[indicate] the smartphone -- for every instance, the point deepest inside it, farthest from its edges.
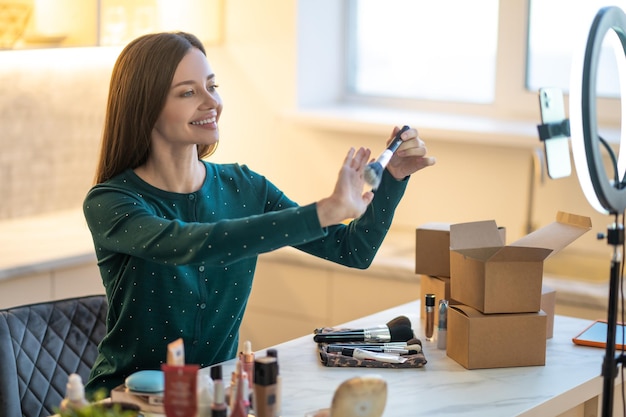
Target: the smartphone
(556, 148)
(595, 335)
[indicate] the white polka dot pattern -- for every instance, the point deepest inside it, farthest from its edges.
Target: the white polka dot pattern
(181, 265)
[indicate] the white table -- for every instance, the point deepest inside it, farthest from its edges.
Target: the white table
(569, 384)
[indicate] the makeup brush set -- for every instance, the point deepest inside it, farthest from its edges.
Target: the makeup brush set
(392, 345)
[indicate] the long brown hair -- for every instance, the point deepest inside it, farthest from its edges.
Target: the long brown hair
(140, 82)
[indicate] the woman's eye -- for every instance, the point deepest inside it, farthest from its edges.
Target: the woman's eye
(212, 87)
(188, 93)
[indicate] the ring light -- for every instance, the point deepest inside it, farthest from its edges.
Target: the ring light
(600, 191)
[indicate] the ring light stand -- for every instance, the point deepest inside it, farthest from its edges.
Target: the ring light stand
(610, 196)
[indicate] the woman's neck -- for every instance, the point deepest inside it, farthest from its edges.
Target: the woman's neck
(185, 175)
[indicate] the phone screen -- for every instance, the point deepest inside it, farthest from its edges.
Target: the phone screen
(595, 335)
(556, 148)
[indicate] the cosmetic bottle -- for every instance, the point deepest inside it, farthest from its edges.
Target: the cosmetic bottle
(204, 396)
(265, 389)
(247, 358)
(218, 407)
(442, 325)
(430, 316)
(273, 353)
(248, 361)
(231, 391)
(241, 403)
(74, 394)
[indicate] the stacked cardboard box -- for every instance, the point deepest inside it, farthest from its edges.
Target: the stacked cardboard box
(432, 263)
(500, 313)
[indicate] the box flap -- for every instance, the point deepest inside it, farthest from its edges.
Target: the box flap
(520, 254)
(557, 235)
(481, 254)
(467, 310)
(475, 235)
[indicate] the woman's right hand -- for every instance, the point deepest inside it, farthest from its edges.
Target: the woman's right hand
(348, 200)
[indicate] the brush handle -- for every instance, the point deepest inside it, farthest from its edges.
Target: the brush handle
(384, 158)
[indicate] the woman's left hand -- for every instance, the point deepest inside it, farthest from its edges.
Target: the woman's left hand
(410, 157)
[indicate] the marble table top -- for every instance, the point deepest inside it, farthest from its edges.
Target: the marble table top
(443, 387)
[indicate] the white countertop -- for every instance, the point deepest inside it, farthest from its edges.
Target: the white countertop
(42, 243)
(443, 387)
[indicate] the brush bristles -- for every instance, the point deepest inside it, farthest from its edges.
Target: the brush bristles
(400, 320)
(373, 174)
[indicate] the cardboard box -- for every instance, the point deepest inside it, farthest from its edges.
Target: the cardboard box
(497, 278)
(477, 340)
(432, 249)
(548, 306)
(440, 286)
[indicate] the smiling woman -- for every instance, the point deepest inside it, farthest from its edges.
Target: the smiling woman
(177, 237)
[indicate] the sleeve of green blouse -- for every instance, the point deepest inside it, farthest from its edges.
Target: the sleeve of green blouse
(121, 222)
(356, 244)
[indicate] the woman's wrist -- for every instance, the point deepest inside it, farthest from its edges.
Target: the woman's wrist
(327, 212)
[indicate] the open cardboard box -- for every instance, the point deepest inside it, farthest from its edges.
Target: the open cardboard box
(432, 248)
(496, 278)
(477, 340)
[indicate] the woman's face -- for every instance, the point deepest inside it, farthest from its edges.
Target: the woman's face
(192, 107)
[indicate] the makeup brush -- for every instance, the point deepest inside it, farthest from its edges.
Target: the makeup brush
(414, 341)
(400, 333)
(405, 350)
(374, 171)
(400, 320)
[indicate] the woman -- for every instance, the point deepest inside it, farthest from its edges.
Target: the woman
(177, 238)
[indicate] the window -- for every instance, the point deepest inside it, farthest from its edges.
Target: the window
(558, 29)
(485, 57)
(443, 50)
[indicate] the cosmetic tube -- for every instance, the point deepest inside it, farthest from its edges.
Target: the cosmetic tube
(442, 327)
(430, 316)
(176, 353)
(265, 387)
(179, 397)
(376, 356)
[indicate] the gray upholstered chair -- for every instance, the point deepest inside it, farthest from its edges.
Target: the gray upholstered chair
(40, 345)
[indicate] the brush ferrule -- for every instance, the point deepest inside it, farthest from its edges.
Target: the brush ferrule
(378, 334)
(384, 158)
